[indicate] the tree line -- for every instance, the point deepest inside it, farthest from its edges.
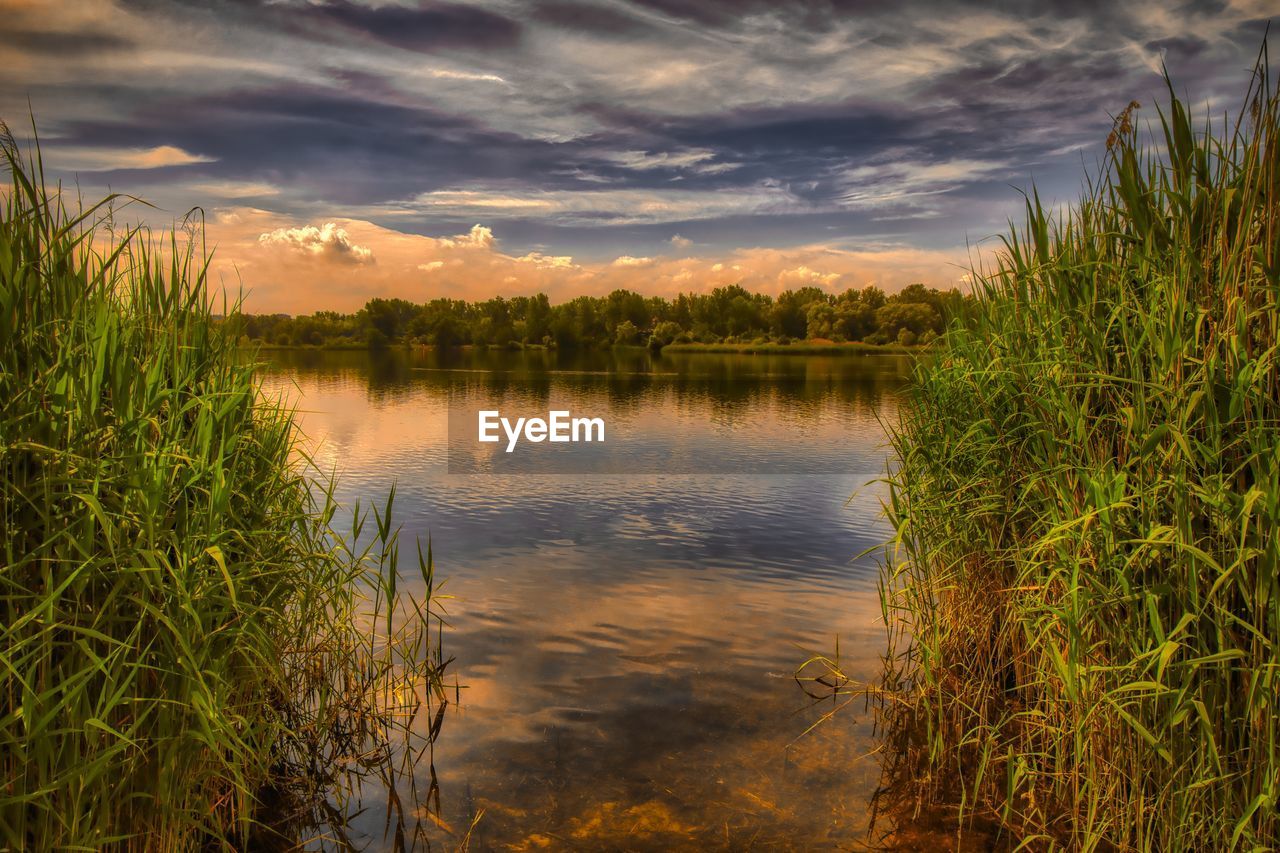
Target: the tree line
(728, 315)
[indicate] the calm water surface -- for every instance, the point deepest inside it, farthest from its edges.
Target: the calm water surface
(626, 641)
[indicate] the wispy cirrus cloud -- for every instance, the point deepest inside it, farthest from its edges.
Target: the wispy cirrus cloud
(900, 181)
(236, 189)
(694, 160)
(593, 207)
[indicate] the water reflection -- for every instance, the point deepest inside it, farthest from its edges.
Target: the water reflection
(626, 642)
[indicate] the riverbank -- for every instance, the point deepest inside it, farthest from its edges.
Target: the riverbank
(797, 348)
(193, 657)
(1084, 582)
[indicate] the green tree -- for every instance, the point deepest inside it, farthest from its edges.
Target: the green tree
(389, 317)
(820, 320)
(626, 333)
(663, 334)
(790, 317)
(917, 317)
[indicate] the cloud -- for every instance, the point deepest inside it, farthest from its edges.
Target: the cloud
(694, 159)
(681, 242)
(595, 128)
(235, 189)
(600, 21)
(419, 267)
(430, 26)
(907, 180)
(803, 275)
(548, 262)
(328, 241)
(448, 74)
(602, 207)
(479, 237)
(108, 159)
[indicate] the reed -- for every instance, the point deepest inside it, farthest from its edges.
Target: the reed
(191, 656)
(1086, 600)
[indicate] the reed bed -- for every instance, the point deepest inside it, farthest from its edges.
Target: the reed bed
(191, 655)
(1086, 590)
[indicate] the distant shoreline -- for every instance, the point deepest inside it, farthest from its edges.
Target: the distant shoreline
(802, 348)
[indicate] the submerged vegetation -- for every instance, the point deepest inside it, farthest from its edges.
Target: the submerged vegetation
(191, 656)
(1087, 504)
(729, 316)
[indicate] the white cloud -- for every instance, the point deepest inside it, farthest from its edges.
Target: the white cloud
(548, 262)
(431, 266)
(681, 242)
(717, 168)
(643, 160)
(691, 159)
(479, 237)
(903, 180)
(329, 241)
(628, 261)
(449, 74)
(608, 206)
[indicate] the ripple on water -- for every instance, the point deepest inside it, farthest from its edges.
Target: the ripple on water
(625, 644)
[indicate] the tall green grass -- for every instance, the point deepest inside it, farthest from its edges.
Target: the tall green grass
(190, 655)
(1088, 507)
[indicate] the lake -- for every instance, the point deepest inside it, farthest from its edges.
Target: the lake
(626, 638)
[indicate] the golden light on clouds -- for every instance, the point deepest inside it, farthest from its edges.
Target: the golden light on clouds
(339, 263)
(89, 159)
(594, 144)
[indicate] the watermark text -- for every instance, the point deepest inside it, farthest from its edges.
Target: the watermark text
(559, 426)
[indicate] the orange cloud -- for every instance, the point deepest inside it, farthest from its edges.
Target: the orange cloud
(328, 241)
(78, 159)
(339, 264)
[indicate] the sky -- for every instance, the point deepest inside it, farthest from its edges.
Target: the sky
(339, 150)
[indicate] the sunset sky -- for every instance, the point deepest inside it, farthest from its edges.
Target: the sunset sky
(348, 149)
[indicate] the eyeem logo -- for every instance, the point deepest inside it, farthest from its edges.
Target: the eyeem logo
(559, 427)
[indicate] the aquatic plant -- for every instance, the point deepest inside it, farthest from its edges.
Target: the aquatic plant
(191, 656)
(1085, 593)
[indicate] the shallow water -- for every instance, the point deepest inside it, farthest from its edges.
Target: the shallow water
(626, 640)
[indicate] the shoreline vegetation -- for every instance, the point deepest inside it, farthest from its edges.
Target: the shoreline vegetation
(193, 655)
(728, 319)
(1085, 584)
(811, 347)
